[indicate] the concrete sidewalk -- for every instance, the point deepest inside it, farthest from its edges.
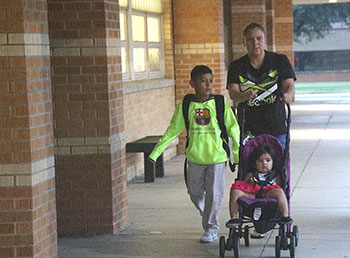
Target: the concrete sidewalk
(164, 223)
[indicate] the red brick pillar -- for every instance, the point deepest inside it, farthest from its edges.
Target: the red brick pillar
(243, 13)
(270, 25)
(27, 176)
(283, 22)
(88, 116)
(198, 39)
(168, 38)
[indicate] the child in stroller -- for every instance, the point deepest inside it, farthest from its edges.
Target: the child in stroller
(263, 182)
(260, 197)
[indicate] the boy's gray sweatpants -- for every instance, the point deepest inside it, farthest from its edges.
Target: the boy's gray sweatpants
(205, 185)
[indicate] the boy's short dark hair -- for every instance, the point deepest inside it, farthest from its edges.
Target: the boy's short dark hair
(199, 70)
(252, 26)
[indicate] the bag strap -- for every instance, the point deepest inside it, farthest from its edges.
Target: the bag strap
(185, 106)
(220, 112)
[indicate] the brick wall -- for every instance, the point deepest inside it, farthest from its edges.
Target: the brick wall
(270, 25)
(168, 38)
(283, 21)
(244, 13)
(147, 112)
(116, 126)
(28, 224)
(88, 116)
(27, 187)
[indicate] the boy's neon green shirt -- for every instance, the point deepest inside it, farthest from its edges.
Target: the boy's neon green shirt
(205, 143)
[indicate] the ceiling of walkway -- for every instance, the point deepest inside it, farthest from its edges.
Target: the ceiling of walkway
(318, 1)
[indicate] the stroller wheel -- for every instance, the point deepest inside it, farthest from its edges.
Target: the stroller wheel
(292, 247)
(295, 233)
(236, 250)
(278, 247)
(246, 235)
(222, 247)
(283, 234)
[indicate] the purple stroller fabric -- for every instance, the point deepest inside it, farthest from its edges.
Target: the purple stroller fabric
(250, 201)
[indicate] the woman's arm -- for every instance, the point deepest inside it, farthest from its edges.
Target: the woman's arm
(239, 96)
(288, 90)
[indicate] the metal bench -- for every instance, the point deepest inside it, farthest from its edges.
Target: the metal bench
(146, 146)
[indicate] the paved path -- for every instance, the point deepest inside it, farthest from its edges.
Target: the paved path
(163, 222)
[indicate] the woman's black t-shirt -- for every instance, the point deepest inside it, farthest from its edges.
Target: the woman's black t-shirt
(266, 113)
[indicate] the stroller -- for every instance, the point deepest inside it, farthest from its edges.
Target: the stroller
(263, 213)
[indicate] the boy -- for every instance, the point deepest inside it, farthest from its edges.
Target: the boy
(205, 154)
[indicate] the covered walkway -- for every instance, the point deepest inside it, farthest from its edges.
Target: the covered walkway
(163, 223)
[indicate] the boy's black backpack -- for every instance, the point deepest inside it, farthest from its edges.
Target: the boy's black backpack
(220, 110)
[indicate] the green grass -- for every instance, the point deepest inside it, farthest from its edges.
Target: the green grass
(321, 87)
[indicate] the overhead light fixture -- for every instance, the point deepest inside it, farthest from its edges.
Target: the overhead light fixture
(332, 1)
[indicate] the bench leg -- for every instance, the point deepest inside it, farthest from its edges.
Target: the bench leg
(150, 168)
(160, 166)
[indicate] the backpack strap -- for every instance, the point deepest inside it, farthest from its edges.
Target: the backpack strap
(220, 111)
(185, 106)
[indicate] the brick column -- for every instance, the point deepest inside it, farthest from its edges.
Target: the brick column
(27, 183)
(168, 38)
(88, 116)
(270, 25)
(283, 22)
(198, 39)
(243, 13)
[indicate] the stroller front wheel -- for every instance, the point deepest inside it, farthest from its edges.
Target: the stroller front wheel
(246, 235)
(295, 233)
(222, 247)
(292, 247)
(278, 247)
(236, 250)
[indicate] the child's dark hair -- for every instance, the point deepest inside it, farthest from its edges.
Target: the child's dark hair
(260, 150)
(199, 70)
(251, 27)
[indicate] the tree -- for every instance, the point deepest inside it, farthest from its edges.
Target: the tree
(314, 21)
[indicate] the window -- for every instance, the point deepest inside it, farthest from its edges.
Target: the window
(141, 39)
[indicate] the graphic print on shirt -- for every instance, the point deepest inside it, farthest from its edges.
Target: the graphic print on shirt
(265, 87)
(202, 116)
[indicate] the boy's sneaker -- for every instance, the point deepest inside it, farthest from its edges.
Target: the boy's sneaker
(286, 220)
(208, 237)
(232, 223)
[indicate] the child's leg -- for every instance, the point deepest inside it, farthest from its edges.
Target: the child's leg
(235, 194)
(281, 200)
(195, 185)
(214, 193)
